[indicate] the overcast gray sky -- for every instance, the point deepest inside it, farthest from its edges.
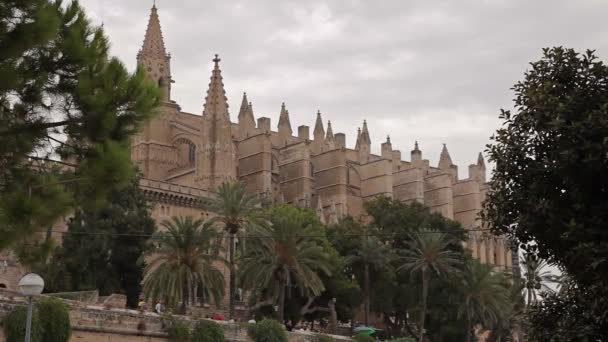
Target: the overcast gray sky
(432, 71)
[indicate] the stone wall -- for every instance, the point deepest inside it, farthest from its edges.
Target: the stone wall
(94, 323)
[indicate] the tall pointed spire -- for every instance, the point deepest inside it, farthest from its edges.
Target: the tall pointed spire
(365, 133)
(246, 119)
(358, 142)
(154, 58)
(445, 161)
(154, 44)
(284, 126)
(364, 144)
(319, 130)
(330, 141)
(480, 162)
(216, 103)
(216, 160)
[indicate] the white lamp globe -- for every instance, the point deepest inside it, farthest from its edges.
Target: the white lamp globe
(31, 285)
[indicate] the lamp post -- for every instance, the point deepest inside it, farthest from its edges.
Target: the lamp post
(30, 285)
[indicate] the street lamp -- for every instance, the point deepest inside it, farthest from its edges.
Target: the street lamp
(30, 285)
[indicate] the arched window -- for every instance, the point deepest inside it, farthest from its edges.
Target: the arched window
(3, 286)
(186, 152)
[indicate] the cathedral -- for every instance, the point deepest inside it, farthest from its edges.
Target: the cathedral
(184, 157)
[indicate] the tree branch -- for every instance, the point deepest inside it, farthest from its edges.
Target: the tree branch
(34, 126)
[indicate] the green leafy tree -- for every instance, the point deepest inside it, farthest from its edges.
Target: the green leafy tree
(548, 155)
(284, 253)
(207, 331)
(182, 262)
(236, 211)
(427, 254)
(485, 294)
(50, 322)
(102, 247)
(267, 330)
(61, 95)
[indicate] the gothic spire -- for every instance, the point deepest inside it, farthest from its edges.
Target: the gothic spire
(329, 138)
(154, 44)
(284, 123)
(319, 130)
(358, 142)
(445, 161)
(216, 103)
(246, 119)
(416, 149)
(480, 162)
(365, 133)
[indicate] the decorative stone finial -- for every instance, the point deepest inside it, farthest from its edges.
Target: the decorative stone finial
(216, 60)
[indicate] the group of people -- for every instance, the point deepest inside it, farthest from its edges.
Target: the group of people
(158, 306)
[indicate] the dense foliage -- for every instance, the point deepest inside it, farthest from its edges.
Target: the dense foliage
(548, 190)
(178, 331)
(59, 82)
(50, 322)
(363, 338)
(13, 325)
(267, 330)
(181, 266)
(54, 320)
(207, 331)
(236, 211)
(103, 247)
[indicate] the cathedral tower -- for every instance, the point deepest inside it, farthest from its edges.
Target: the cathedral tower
(216, 157)
(154, 58)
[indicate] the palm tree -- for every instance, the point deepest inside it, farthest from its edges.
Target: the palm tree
(181, 263)
(485, 295)
(535, 277)
(427, 253)
(283, 254)
(235, 211)
(372, 252)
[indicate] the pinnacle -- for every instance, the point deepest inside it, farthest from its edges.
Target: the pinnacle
(284, 122)
(216, 102)
(319, 130)
(416, 149)
(480, 160)
(330, 132)
(153, 42)
(445, 159)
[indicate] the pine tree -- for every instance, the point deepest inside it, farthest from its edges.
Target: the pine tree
(103, 248)
(61, 95)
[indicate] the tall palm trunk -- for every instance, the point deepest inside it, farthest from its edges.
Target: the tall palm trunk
(232, 285)
(469, 327)
(366, 300)
(184, 298)
(425, 291)
(281, 313)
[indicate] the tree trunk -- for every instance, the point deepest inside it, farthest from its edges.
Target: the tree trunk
(366, 299)
(333, 316)
(184, 299)
(232, 281)
(469, 327)
(425, 292)
(281, 313)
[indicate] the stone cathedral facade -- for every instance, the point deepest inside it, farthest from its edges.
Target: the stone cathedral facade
(185, 156)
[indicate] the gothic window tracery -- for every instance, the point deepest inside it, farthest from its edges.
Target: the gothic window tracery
(186, 152)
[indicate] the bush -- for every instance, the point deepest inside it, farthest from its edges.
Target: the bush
(325, 338)
(14, 325)
(363, 338)
(178, 331)
(403, 339)
(267, 330)
(208, 331)
(54, 320)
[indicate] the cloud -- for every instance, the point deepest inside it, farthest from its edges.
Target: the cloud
(427, 70)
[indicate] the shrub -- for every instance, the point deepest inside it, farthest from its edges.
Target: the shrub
(178, 331)
(363, 338)
(267, 330)
(54, 320)
(208, 331)
(14, 325)
(325, 338)
(403, 339)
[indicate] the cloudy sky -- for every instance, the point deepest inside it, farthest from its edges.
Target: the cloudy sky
(432, 71)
